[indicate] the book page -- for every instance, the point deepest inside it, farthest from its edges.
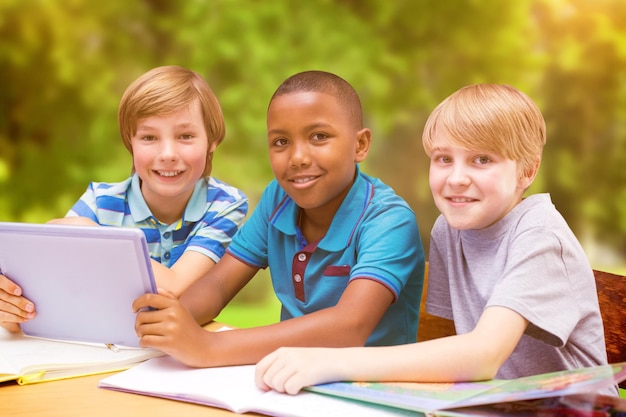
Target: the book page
(7, 371)
(22, 355)
(225, 387)
(234, 389)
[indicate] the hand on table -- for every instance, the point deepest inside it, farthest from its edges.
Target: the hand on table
(289, 369)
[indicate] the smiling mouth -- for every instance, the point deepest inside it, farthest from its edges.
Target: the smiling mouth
(303, 180)
(461, 199)
(168, 173)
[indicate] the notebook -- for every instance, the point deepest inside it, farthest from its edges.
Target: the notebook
(82, 279)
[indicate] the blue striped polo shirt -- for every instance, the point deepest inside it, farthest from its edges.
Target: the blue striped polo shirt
(213, 215)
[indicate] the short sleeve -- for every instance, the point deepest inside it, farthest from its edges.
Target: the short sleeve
(86, 205)
(536, 284)
(389, 247)
(250, 243)
(219, 225)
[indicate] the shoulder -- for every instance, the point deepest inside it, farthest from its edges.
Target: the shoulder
(218, 189)
(377, 209)
(536, 232)
(537, 213)
(384, 196)
(103, 189)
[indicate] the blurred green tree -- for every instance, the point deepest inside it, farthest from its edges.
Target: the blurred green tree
(583, 96)
(65, 64)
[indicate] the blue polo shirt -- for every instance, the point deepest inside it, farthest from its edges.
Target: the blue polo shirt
(211, 218)
(374, 235)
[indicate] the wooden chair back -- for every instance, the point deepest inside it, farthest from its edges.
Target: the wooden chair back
(611, 290)
(612, 299)
(429, 326)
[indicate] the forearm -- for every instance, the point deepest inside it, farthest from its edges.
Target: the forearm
(204, 300)
(472, 356)
(290, 369)
(349, 323)
(454, 358)
(168, 278)
(248, 346)
(165, 278)
(207, 296)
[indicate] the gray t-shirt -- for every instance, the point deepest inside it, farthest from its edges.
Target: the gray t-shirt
(529, 262)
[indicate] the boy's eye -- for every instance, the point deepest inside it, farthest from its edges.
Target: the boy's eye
(482, 160)
(148, 138)
(186, 136)
(280, 142)
(444, 159)
(319, 136)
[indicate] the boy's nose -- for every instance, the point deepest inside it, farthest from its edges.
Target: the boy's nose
(299, 155)
(167, 150)
(458, 175)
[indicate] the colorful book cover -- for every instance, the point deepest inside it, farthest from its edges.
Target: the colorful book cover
(428, 397)
(578, 405)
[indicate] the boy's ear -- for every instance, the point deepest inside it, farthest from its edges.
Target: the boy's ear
(209, 158)
(363, 142)
(529, 174)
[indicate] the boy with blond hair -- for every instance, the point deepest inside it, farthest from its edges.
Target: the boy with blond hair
(171, 123)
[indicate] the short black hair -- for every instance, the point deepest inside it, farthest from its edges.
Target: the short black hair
(327, 83)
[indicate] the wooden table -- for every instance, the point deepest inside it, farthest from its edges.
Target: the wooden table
(82, 397)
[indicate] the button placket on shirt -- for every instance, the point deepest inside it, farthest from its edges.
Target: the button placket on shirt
(299, 264)
(166, 245)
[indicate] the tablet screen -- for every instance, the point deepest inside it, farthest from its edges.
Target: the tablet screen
(82, 279)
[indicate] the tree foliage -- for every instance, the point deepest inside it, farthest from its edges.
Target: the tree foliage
(65, 64)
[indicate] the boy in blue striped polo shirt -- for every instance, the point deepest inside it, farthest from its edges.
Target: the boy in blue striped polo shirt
(171, 123)
(344, 251)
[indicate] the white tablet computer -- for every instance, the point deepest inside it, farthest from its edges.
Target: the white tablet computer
(82, 279)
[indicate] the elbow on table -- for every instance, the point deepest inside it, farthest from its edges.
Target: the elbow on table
(489, 362)
(487, 372)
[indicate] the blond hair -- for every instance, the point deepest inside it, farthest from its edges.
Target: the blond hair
(165, 90)
(492, 117)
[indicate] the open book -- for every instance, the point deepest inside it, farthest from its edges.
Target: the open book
(30, 360)
(575, 405)
(233, 388)
(460, 398)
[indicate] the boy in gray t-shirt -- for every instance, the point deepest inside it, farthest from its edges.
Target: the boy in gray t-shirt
(507, 269)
